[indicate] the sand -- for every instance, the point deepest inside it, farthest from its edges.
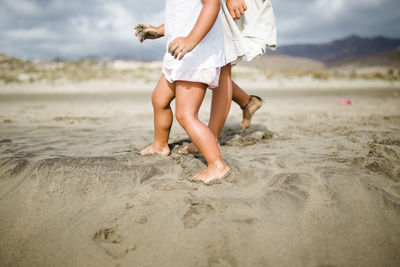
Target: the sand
(313, 183)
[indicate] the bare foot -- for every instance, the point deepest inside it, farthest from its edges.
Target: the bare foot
(152, 150)
(189, 149)
(251, 107)
(213, 172)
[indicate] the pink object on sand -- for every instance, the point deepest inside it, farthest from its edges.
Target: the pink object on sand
(346, 102)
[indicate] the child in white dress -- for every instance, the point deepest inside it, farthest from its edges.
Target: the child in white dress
(193, 61)
(249, 27)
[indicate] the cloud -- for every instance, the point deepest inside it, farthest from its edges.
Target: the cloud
(22, 7)
(74, 28)
(324, 20)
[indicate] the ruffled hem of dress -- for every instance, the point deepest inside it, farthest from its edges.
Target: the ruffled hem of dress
(209, 76)
(241, 52)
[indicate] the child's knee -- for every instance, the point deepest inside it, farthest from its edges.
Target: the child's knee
(183, 118)
(159, 102)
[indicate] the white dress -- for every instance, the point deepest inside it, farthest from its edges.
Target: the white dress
(204, 62)
(248, 37)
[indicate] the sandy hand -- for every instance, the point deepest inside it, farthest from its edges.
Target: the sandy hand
(236, 8)
(147, 31)
(180, 47)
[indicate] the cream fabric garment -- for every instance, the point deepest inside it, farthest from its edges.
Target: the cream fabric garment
(204, 62)
(248, 37)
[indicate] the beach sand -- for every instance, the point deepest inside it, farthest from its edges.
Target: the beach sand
(313, 183)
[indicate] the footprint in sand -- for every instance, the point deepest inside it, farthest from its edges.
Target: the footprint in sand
(146, 172)
(244, 174)
(112, 243)
(286, 161)
(192, 166)
(382, 152)
(381, 165)
(197, 212)
(11, 167)
(251, 139)
(220, 256)
(290, 188)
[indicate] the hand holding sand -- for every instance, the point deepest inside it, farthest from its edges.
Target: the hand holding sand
(181, 46)
(147, 31)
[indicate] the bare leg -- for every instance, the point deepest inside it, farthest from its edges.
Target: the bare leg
(239, 96)
(161, 98)
(220, 105)
(248, 104)
(221, 101)
(189, 96)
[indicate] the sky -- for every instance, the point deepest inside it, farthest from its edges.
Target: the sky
(74, 29)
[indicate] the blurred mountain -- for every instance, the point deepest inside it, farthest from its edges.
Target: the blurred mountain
(389, 58)
(349, 48)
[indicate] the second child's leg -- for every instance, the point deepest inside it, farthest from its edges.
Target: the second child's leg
(249, 104)
(221, 101)
(161, 98)
(189, 96)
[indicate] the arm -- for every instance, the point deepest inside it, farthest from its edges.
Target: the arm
(147, 31)
(204, 23)
(236, 8)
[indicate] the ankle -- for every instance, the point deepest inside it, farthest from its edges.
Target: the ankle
(218, 164)
(244, 104)
(160, 146)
